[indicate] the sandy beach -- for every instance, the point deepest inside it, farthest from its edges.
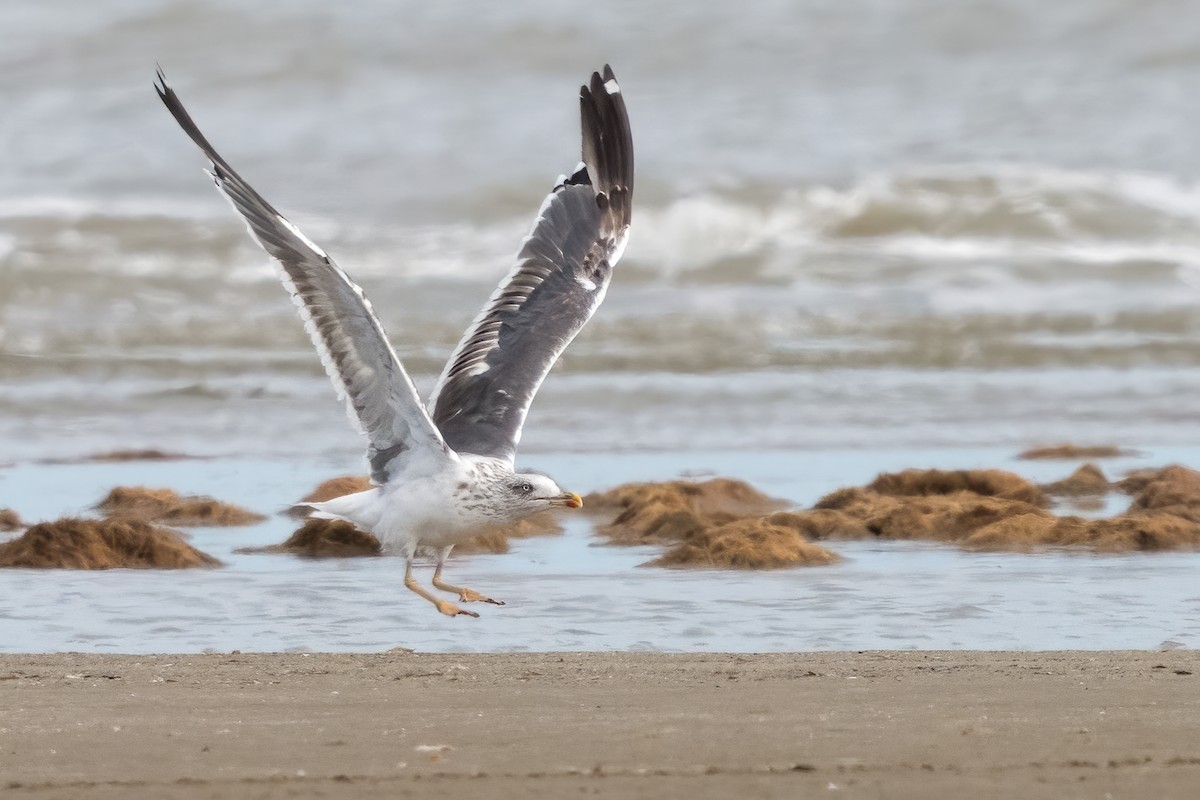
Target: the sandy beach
(401, 724)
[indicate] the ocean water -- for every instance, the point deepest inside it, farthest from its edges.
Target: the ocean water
(905, 232)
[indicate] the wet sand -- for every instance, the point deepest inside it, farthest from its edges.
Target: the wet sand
(400, 724)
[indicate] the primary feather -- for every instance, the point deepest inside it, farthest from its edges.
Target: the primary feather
(561, 275)
(380, 397)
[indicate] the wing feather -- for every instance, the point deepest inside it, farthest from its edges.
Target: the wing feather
(561, 275)
(380, 398)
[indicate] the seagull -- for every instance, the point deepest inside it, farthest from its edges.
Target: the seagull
(444, 469)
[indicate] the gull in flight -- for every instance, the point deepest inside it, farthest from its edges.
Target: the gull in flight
(444, 469)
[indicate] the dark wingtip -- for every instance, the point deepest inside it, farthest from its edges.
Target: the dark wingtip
(607, 142)
(597, 83)
(160, 81)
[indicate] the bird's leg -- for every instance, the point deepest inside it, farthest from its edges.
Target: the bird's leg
(465, 595)
(444, 606)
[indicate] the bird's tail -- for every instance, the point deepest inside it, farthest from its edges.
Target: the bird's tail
(361, 508)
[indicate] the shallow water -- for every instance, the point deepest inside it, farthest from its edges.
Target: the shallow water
(575, 593)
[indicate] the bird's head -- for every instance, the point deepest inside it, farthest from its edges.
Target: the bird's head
(537, 493)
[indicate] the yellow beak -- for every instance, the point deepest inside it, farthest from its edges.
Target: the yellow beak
(568, 499)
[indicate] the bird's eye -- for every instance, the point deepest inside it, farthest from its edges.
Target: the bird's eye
(526, 488)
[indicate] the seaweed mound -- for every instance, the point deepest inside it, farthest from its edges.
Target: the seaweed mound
(721, 522)
(1173, 490)
(1085, 481)
(493, 541)
(324, 538)
(496, 540)
(1120, 534)
(1165, 514)
(984, 482)
(164, 505)
(771, 542)
(101, 544)
(9, 520)
(862, 512)
(149, 454)
(1073, 452)
(1136, 480)
(676, 510)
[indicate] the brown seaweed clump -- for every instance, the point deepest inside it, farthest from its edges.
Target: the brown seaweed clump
(1087, 480)
(1070, 452)
(1136, 480)
(990, 510)
(716, 523)
(931, 504)
(1120, 534)
(495, 540)
(149, 454)
(986, 482)
(1165, 515)
(9, 520)
(1173, 490)
(858, 513)
(769, 542)
(676, 510)
(164, 505)
(101, 544)
(324, 538)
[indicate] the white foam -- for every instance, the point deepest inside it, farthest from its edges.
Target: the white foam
(74, 207)
(1023, 215)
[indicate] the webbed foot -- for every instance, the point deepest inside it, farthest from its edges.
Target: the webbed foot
(472, 596)
(451, 610)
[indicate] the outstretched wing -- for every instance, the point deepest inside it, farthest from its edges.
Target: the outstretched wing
(561, 275)
(379, 395)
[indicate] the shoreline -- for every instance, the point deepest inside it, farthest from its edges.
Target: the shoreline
(872, 724)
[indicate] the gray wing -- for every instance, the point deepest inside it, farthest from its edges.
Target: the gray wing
(380, 397)
(561, 275)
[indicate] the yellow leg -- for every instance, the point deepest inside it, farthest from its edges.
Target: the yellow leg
(465, 595)
(444, 606)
